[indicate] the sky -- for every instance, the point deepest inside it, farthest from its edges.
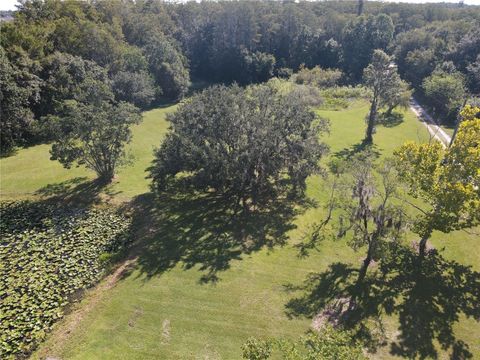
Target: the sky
(7, 4)
(10, 4)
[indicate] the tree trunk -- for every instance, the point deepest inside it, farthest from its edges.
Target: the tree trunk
(422, 246)
(389, 110)
(361, 276)
(363, 270)
(106, 176)
(360, 7)
(371, 122)
(246, 210)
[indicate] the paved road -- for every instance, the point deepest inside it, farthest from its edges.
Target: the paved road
(432, 126)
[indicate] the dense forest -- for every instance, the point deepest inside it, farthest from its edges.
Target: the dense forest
(146, 52)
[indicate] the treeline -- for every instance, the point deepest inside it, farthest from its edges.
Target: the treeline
(146, 51)
(442, 61)
(56, 51)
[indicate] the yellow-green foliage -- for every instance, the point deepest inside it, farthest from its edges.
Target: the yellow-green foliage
(448, 180)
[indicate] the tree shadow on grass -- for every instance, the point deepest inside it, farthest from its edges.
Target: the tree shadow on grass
(428, 299)
(60, 189)
(320, 289)
(434, 296)
(8, 153)
(68, 199)
(347, 153)
(77, 191)
(203, 229)
(324, 297)
(390, 120)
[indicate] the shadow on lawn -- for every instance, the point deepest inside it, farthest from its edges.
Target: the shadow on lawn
(203, 229)
(77, 191)
(390, 120)
(428, 300)
(347, 153)
(68, 199)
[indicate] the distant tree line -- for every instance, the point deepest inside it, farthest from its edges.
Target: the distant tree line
(442, 61)
(147, 51)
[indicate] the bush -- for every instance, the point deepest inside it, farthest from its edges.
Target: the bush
(135, 87)
(307, 94)
(444, 92)
(255, 349)
(337, 98)
(318, 77)
(327, 344)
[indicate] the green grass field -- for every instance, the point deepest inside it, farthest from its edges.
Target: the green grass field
(31, 172)
(162, 309)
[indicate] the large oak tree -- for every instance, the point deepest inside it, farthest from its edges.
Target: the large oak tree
(248, 143)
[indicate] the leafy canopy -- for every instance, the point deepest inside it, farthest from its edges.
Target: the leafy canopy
(360, 37)
(445, 90)
(18, 89)
(71, 77)
(448, 180)
(388, 90)
(248, 142)
(93, 135)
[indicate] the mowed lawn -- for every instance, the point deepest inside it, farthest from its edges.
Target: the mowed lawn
(30, 172)
(168, 312)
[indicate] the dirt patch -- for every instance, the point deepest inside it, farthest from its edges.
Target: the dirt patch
(67, 327)
(373, 263)
(332, 313)
(133, 319)
(166, 331)
(429, 249)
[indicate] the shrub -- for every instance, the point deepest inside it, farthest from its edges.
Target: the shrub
(255, 349)
(322, 78)
(341, 97)
(327, 344)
